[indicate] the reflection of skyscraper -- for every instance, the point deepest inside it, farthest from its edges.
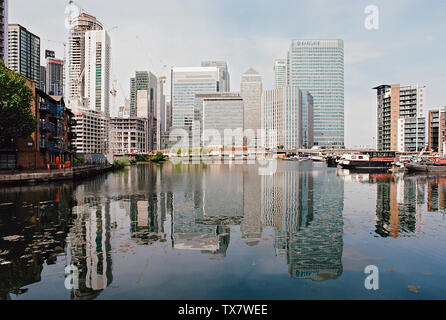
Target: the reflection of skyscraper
(399, 207)
(91, 248)
(199, 219)
(147, 219)
(288, 200)
(251, 226)
(306, 209)
(437, 194)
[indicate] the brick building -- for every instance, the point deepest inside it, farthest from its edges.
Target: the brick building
(50, 145)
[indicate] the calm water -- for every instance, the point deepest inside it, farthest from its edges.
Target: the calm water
(224, 232)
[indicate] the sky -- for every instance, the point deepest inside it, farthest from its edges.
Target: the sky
(407, 48)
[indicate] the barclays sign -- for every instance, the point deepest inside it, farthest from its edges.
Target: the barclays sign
(308, 43)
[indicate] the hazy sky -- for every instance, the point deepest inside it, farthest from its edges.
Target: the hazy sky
(408, 47)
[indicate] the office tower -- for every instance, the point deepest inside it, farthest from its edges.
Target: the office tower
(251, 89)
(222, 113)
(160, 111)
(24, 52)
(129, 136)
(76, 59)
(143, 101)
(42, 84)
(143, 81)
(307, 120)
(4, 31)
(186, 83)
(283, 118)
(97, 71)
(401, 118)
(225, 80)
(437, 130)
(54, 74)
(317, 66)
(280, 73)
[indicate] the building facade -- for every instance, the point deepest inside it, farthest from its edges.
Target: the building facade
(54, 76)
(91, 132)
(4, 31)
(251, 89)
(129, 136)
(283, 119)
(50, 146)
(317, 66)
(222, 119)
(42, 84)
(24, 52)
(76, 59)
(143, 81)
(186, 83)
(97, 71)
(280, 73)
(401, 121)
(225, 79)
(160, 112)
(437, 131)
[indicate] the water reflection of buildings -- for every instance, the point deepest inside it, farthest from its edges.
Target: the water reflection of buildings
(399, 207)
(436, 200)
(305, 207)
(402, 201)
(34, 225)
(90, 243)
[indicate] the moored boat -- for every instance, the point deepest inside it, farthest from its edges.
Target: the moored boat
(434, 166)
(368, 161)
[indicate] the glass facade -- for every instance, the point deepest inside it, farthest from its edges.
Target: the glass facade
(186, 83)
(287, 118)
(24, 53)
(317, 66)
(223, 112)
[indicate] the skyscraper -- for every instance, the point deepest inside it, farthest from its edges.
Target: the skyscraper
(220, 112)
(4, 31)
(97, 71)
(186, 83)
(160, 111)
(251, 89)
(143, 81)
(280, 73)
(283, 118)
(42, 84)
(54, 76)
(225, 80)
(24, 52)
(318, 67)
(76, 59)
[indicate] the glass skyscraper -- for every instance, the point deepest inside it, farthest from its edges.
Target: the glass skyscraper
(317, 66)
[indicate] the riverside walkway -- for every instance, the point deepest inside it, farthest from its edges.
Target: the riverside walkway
(42, 176)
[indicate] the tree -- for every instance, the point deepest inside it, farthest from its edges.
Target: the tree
(16, 118)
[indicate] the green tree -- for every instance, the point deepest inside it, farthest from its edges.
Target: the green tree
(16, 118)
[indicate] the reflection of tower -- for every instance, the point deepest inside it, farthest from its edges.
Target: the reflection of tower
(90, 249)
(147, 219)
(399, 207)
(200, 216)
(436, 194)
(251, 226)
(287, 200)
(310, 228)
